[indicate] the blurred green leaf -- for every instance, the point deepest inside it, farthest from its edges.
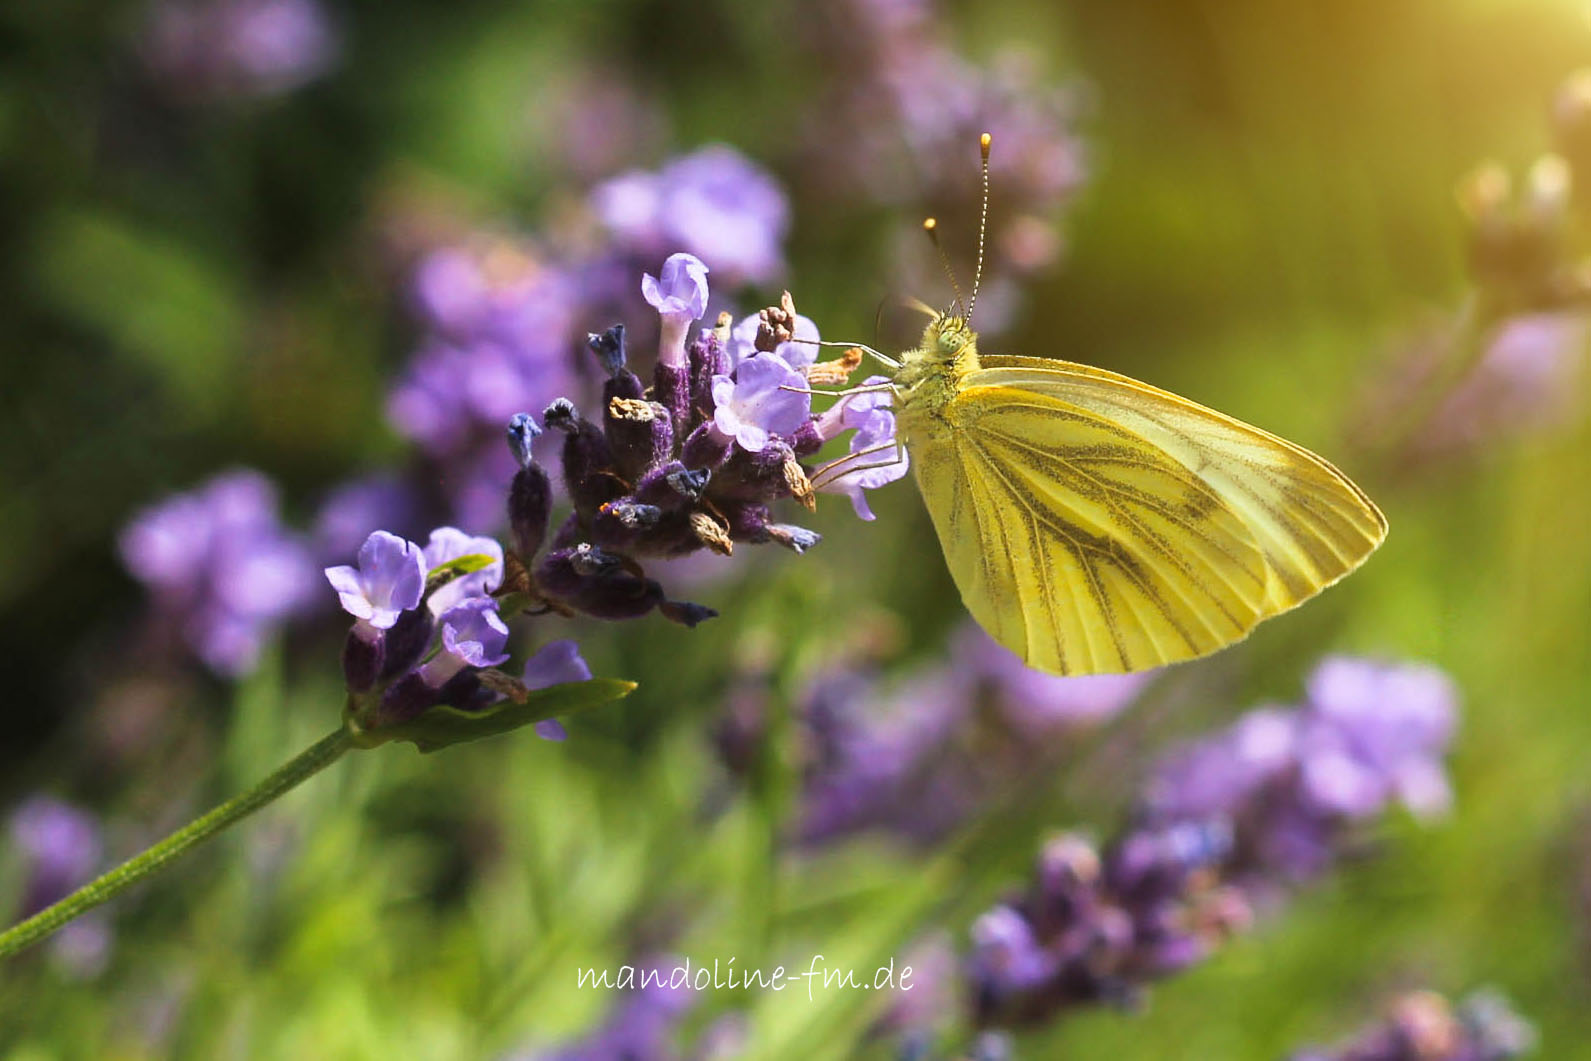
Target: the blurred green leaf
(158, 302)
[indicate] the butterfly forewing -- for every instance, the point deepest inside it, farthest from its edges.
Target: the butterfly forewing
(1312, 523)
(1095, 524)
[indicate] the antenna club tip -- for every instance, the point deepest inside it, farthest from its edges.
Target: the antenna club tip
(984, 143)
(929, 224)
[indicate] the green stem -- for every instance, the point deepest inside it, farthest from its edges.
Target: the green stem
(290, 775)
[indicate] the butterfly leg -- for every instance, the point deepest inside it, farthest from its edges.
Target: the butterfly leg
(838, 467)
(871, 388)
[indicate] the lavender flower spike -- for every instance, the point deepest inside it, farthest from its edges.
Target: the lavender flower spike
(679, 294)
(389, 580)
(754, 404)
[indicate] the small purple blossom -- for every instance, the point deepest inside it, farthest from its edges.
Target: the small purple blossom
(757, 402)
(473, 634)
(680, 289)
(389, 580)
(450, 543)
(220, 567)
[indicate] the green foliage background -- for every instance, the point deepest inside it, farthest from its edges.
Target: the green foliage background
(1271, 207)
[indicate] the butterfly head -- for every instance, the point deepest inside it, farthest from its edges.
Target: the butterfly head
(947, 337)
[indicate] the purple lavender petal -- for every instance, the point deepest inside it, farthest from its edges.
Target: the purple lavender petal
(753, 404)
(389, 580)
(680, 289)
(474, 634)
(555, 663)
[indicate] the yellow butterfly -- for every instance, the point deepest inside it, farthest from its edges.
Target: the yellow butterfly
(1095, 524)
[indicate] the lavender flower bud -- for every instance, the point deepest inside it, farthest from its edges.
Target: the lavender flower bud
(587, 460)
(707, 359)
(522, 431)
(406, 642)
(597, 583)
(363, 652)
(466, 691)
(706, 448)
(671, 388)
(609, 348)
(807, 440)
(685, 613)
(766, 475)
(640, 434)
(529, 509)
(620, 524)
(797, 539)
(672, 486)
(748, 521)
(690, 483)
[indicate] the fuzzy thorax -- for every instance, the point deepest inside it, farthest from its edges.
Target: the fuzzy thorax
(932, 375)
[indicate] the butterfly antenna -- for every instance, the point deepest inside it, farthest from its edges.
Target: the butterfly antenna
(984, 143)
(931, 227)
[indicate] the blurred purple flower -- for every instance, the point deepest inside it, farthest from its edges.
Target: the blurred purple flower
(1036, 702)
(349, 511)
(902, 126)
(915, 759)
(58, 848)
(1224, 826)
(554, 663)
(1529, 379)
(640, 1025)
(498, 323)
(1375, 733)
(1005, 954)
(714, 203)
(221, 567)
(389, 580)
(214, 49)
(754, 403)
(1424, 1026)
(1294, 781)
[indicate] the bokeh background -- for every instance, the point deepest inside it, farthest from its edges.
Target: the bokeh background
(217, 222)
